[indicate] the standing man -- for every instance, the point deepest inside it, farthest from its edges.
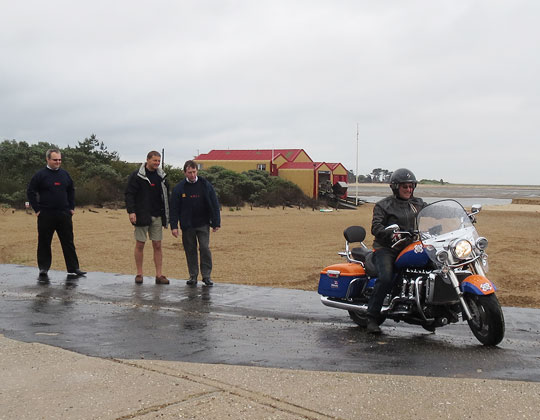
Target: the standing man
(52, 196)
(147, 203)
(195, 205)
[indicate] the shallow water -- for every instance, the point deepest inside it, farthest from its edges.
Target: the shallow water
(464, 201)
(466, 195)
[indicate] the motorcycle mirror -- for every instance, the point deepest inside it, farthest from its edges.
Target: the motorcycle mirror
(476, 208)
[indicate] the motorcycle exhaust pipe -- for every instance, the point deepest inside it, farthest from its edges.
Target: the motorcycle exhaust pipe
(343, 305)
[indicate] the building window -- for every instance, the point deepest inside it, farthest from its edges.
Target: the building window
(199, 166)
(261, 166)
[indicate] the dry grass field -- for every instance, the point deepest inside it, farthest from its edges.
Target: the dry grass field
(275, 247)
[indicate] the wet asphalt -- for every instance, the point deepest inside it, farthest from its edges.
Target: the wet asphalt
(108, 315)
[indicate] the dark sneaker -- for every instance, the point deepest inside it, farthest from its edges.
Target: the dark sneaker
(162, 280)
(373, 326)
(208, 282)
(76, 273)
(43, 276)
(138, 279)
(192, 281)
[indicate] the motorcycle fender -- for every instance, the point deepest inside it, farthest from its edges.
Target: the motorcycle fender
(478, 285)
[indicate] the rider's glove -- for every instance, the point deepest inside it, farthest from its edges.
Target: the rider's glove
(396, 237)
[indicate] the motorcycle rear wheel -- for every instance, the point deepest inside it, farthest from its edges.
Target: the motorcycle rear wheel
(360, 318)
(487, 323)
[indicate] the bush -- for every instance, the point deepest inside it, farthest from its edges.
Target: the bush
(100, 177)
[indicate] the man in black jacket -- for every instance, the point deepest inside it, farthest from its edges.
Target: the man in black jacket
(52, 196)
(147, 203)
(195, 205)
(400, 208)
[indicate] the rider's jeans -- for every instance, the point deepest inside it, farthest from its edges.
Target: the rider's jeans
(384, 260)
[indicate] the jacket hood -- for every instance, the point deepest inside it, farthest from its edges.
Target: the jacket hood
(142, 172)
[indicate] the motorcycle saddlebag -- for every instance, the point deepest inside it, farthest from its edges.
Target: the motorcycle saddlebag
(335, 279)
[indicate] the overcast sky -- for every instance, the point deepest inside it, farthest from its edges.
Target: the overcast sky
(449, 89)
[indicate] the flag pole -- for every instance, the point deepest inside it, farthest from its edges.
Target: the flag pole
(356, 195)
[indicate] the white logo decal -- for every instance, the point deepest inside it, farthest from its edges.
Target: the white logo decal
(486, 287)
(418, 249)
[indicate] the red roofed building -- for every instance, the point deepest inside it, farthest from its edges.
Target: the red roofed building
(294, 165)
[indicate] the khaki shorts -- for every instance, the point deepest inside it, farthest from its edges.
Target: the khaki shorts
(154, 231)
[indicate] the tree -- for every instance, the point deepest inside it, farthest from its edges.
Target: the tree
(385, 175)
(91, 146)
(174, 175)
(18, 163)
(100, 176)
(97, 173)
(376, 174)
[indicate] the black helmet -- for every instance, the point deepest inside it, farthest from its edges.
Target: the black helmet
(401, 176)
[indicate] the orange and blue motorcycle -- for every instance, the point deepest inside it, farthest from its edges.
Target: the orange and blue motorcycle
(440, 276)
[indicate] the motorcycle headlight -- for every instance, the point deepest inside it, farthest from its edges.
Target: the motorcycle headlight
(481, 243)
(442, 256)
(462, 249)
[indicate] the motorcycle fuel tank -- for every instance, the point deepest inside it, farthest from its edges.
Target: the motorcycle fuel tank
(414, 255)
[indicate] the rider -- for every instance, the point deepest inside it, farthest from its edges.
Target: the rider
(400, 208)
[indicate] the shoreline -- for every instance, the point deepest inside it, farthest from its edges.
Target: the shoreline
(488, 194)
(383, 184)
(526, 208)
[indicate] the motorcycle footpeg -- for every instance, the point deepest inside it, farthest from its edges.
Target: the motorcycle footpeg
(401, 309)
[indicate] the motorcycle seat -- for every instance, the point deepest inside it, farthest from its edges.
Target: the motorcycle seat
(365, 255)
(360, 254)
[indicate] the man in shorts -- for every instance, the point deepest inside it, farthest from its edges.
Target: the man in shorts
(147, 203)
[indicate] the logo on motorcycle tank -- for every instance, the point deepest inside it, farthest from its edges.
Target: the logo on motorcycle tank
(418, 249)
(486, 287)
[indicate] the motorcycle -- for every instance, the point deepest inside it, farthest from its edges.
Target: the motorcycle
(440, 276)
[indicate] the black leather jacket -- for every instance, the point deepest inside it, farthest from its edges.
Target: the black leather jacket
(393, 210)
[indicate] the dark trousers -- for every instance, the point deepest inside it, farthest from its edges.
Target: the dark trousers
(61, 223)
(190, 237)
(384, 259)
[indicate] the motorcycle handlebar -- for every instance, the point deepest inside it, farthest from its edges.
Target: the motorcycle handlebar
(403, 235)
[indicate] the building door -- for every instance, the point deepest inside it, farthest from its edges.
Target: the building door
(323, 182)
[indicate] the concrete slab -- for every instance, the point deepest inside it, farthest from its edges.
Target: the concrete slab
(353, 396)
(43, 382)
(40, 381)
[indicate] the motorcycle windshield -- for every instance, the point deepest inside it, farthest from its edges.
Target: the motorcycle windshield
(444, 221)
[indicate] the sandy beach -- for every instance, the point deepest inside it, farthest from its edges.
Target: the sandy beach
(279, 247)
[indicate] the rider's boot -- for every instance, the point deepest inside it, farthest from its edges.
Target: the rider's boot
(372, 325)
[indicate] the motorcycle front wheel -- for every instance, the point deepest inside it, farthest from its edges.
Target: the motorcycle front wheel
(487, 323)
(360, 318)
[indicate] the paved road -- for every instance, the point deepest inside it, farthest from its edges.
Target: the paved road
(107, 315)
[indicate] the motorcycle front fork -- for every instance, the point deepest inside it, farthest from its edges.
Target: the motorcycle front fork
(455, 283)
